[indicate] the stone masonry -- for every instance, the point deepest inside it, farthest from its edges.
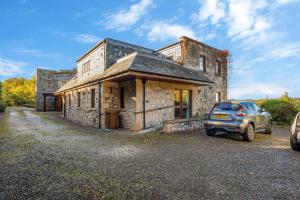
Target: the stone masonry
(159, 94)
(48, 81)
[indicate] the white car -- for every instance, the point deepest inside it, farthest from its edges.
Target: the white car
(295, 134)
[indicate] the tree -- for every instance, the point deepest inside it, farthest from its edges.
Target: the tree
(0, 90)
(19, 91)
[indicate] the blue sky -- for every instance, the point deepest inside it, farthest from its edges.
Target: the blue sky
(263, 36)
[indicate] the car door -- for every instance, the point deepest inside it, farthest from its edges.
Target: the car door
(260, 117)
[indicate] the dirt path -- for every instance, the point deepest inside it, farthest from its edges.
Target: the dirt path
(43, 156)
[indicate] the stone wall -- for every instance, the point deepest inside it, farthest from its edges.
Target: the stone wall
(48, 81)
(127, 114)
(85, 114)
(179, 125)
(160, 101)
(191, 51)
(110, 99)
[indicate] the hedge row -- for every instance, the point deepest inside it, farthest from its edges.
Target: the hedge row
(2, 106)
(283, 110)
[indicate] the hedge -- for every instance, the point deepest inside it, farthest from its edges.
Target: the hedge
(283, 112)
(2, 106)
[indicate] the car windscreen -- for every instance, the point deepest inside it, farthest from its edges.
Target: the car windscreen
(228, 106)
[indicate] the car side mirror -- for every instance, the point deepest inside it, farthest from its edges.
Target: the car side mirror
(263, 110)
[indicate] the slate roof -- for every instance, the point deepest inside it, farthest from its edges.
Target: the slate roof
(144, 63)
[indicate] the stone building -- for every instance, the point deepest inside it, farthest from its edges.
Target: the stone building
(145, 87)
(47, 82)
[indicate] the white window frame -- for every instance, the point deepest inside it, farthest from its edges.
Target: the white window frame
(204, 65)
(218, 97)
(86, 67)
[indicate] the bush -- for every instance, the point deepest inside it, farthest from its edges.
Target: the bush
(283, 112)
(2, 106)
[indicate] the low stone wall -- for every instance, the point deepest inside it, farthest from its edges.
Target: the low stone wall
(179, 125)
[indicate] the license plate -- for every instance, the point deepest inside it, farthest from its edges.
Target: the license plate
(220, 116)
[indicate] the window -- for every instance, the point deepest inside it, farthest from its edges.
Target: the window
(183, 104)
(218, 97)
(78, 99)
(122, 97)
(202, 63)
(228, 106)
(257, 108)
(171, 57)
(70, 100)
(218, 68)
(93, 98)
(86, 67)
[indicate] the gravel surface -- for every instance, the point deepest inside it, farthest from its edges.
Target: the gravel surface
(43, 156)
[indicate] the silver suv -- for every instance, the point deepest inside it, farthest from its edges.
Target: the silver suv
(241, 117)
(295, 134)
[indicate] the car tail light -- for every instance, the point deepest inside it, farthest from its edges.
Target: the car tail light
(240, 114)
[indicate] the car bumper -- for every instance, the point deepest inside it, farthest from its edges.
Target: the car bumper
(236, 127)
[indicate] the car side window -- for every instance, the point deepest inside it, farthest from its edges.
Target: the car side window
(250, 107)
(256, 107)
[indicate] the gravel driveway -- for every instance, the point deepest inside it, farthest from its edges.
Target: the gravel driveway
(43, 156)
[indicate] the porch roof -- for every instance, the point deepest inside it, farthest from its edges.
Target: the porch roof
(147, 66)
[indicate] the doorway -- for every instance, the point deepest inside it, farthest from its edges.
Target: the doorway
(183, 104)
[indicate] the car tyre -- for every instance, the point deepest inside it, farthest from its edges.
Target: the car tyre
(210, 133)
(294, 144)
(269, 128)
(249, 134)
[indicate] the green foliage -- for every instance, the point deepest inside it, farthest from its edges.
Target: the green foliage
(0, 90)
(19, 91)
(2, 106)
(283, 109)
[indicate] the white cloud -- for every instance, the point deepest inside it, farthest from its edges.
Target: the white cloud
(87, 38)
(10, 67)
(289, 50)
(161, 30)
(260, 90)
(212, 10)
(124, 19)
(243, 19)
(283, 2)
(35, 53)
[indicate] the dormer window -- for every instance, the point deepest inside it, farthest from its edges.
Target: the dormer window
(218, 68)
(171, 57)
(202, 63)
(86, 67)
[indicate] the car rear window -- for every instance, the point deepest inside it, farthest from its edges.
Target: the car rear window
(227, 106)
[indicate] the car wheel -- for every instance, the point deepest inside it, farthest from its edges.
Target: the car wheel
(249, 134)
(210, 132)
(269, 128)
(294, 144)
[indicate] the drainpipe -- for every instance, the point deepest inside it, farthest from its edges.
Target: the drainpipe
(99, 106)
(144, 103)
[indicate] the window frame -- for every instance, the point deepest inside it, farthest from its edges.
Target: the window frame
(122, 97)
(218, 97)
(204, 63)
(218, 68)
(78, 99)
(93, 98)
(86, 67)
(69, 100)
(181, 107)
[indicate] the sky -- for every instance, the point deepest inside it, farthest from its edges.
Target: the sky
(263, 36)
